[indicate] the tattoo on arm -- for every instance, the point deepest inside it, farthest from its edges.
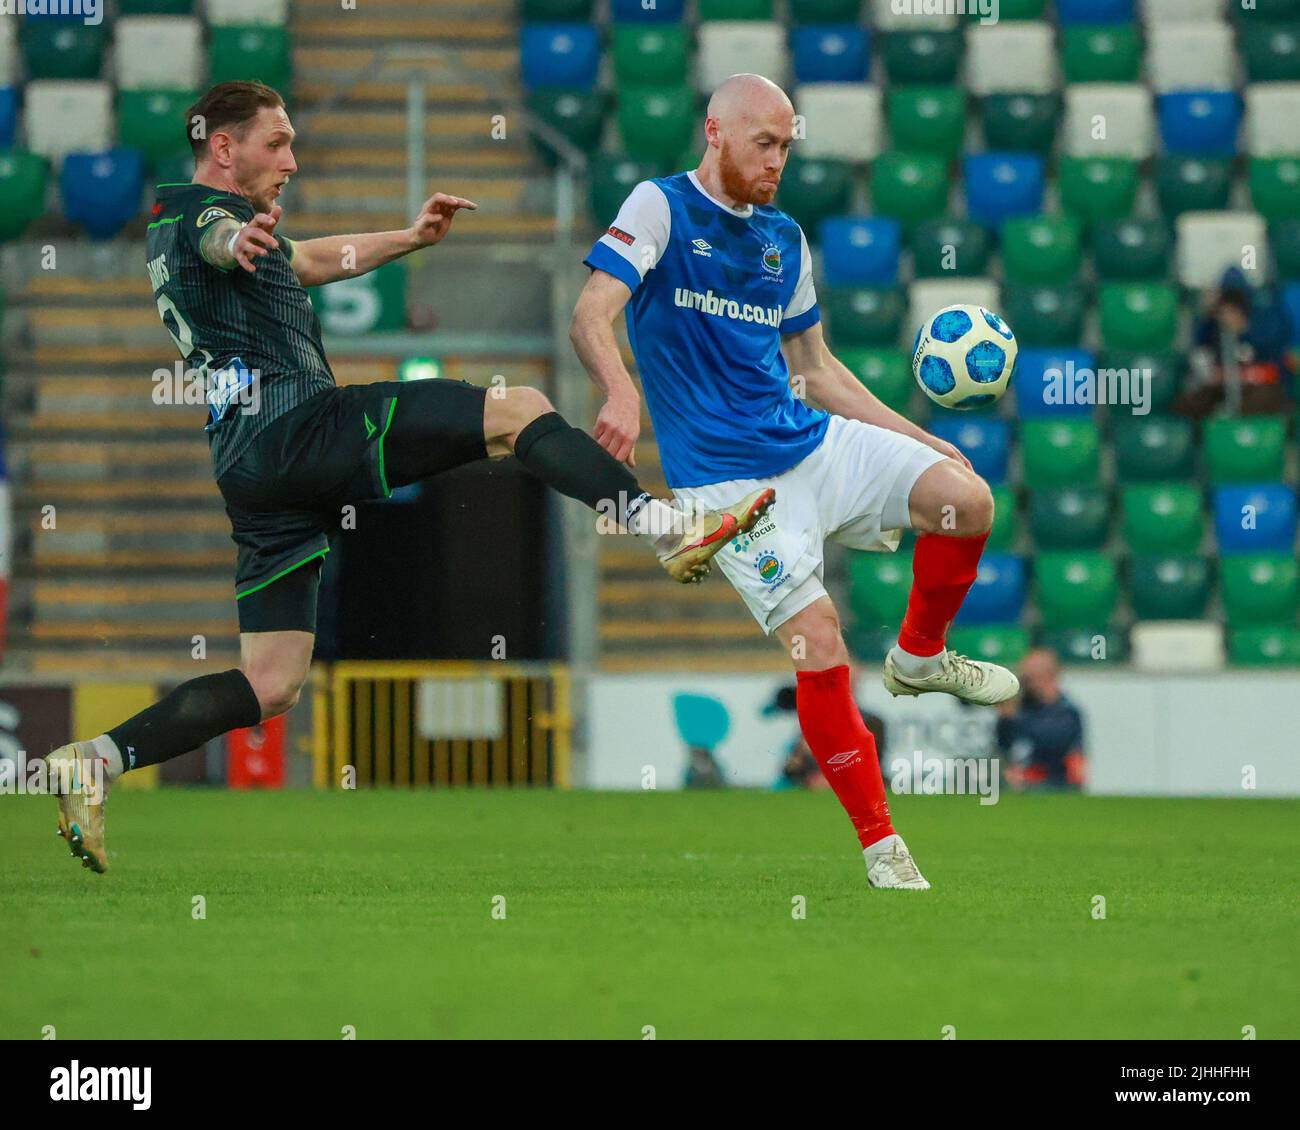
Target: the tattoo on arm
(214, 243)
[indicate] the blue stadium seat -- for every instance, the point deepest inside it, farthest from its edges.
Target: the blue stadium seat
(1272, 516)
(102, 190)
(559, 56)
(985, 441)
(1038, 396)
(1094, 11)
(859, 251)
(635, 12)
(1291, 300)
(8, 116)
(1200, 122)
(998, 594)
(1002, 185)
(831, 53)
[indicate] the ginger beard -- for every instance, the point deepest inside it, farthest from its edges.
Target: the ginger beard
(737, 184)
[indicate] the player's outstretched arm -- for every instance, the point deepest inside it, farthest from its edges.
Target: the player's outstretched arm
(592, 333)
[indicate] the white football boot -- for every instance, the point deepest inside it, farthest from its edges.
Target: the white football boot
(971, 680)
(890, 864)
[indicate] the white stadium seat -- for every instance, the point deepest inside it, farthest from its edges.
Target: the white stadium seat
(928, 296)
(1197, 56)
(1211, 242)
(1273, 119)
(237, 13)
(8, 52)
(158, 53)
(1104, 119)
(1176, 645)
(841, 120)
(899, 15)
(1017, 57)
(731, 47)
(1182, 11)
(68, 116)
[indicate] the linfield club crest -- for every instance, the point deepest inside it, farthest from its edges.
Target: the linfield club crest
(772, 259)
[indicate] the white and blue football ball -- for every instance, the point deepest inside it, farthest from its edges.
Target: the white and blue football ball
(963, 357)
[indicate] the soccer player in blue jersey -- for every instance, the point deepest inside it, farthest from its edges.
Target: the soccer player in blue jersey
(723, 321)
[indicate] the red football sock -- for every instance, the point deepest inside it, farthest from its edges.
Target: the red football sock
(845, 749)
(943, 570)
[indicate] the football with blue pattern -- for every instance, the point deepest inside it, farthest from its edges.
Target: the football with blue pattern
(964, 356)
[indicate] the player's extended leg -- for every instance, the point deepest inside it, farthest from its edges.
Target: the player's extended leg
(521, 421)
(952, 508)
(841, 743)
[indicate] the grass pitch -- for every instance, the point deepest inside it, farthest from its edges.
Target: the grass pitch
(666, 910)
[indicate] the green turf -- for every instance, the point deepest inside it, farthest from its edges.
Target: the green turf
(373, 909)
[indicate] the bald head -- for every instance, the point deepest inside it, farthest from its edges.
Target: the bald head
(743, 98)
(749, 126)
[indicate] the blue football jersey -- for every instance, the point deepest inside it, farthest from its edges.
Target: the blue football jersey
(713, 289)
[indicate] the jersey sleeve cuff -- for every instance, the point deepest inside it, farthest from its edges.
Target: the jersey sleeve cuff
(800, 322)
(603, 258)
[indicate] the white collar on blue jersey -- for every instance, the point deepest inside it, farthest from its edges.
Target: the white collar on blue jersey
(744, 213)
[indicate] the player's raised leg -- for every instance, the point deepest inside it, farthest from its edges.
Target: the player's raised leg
(841, 743)
(952, 508)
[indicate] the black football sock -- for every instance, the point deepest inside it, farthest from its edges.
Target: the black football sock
(189, 715)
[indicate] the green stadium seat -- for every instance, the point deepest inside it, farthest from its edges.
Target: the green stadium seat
(1170, 586)
(909, 186)
(813, 188)
(1138, 315)
(1095, 646)
(1060, 453)
(1192, 184)
(1069, 517)
(1271, 51)
(1101, 53)
(656, 122)
(612, 179)
(1075, 590)
(1265, 11)
(1131, 249)
(927, 119)
(656, 54)
(555, 11)
(862, 315)
(1265, 647)
(254, 51)
(1011, 10)
(176, 169)
(62, 49)
(155, 7)
(1161, 371)
(1098, 188)
(1006, 520)
(913, 56)
(1260, 589)
(1025, 123)
(1041, 249)
(577, 115)
(1275, 187)
(950, 248)
(886, 372)
(1247, 449)
(1162, 517)
(153, 121)
(994, 643)
(1153, 448)
(22, 191)
(1284, 238)
(825, 11)
(1045, 315)
(879, 584)
(735, 9)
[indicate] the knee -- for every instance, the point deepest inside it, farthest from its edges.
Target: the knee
(514, 410)
(973, 509)
(819, 643)
(277, 691)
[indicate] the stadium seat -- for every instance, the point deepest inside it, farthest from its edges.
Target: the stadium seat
(1002, 185)
(1072, 517)
(735, 9)
(985, 441)
(1162, 517)
(1284, 238)
(612, 179)
(1272, 110)
(928, 296)
(1096, 646)
(1201, 122)
(909, 187)
(879, 584)
(1265, 647)
(1177, 645)
(1271, 51)
(887, 372)
(1209, 242)
(1006, 520)
(1255, 519)
(63, 49)
(950, 248)
(559, 56)
(1045, 381)
(1174, 11)
(888, 15)
(1041, 249)
(1131, 250)
(1074, 589)
(1247, 449)
(656, 122)
(842, 120)
(1260, 589)
(928, 119)
(1150, 379)
(1060, 452)
(157, 52)
(1101, 53)
(67, 116)
(151, 121)
(579, 116)
(1045, 315)
(1192, 184)
(241, 13)
(555, 11)
(1291, 303)
(993, 643)
(1071, 12)
(22, 191)
(1190, 56)
(728, 47)
(824, 11)
(1264, 10)
(8, 116)
(651, 54)
(102, 190)
(814, 188)
(830, 53)
(1123, 109)
(998, 594)
(1170, 586)
(1275, 186)
(1020, 122)
(865, 316)
(990, 47)
(1138, 315)
(1153, 448)
(1098, 188)
(859, 251)
(10, 53)
(1010, 10)
(922, 56)
(634, 11)
(177, 169)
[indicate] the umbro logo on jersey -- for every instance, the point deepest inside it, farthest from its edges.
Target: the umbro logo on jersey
(842, 758)
(701, 247)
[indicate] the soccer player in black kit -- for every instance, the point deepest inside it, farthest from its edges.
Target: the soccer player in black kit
(290, 448)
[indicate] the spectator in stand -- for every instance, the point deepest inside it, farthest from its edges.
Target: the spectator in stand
(1040, 732)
